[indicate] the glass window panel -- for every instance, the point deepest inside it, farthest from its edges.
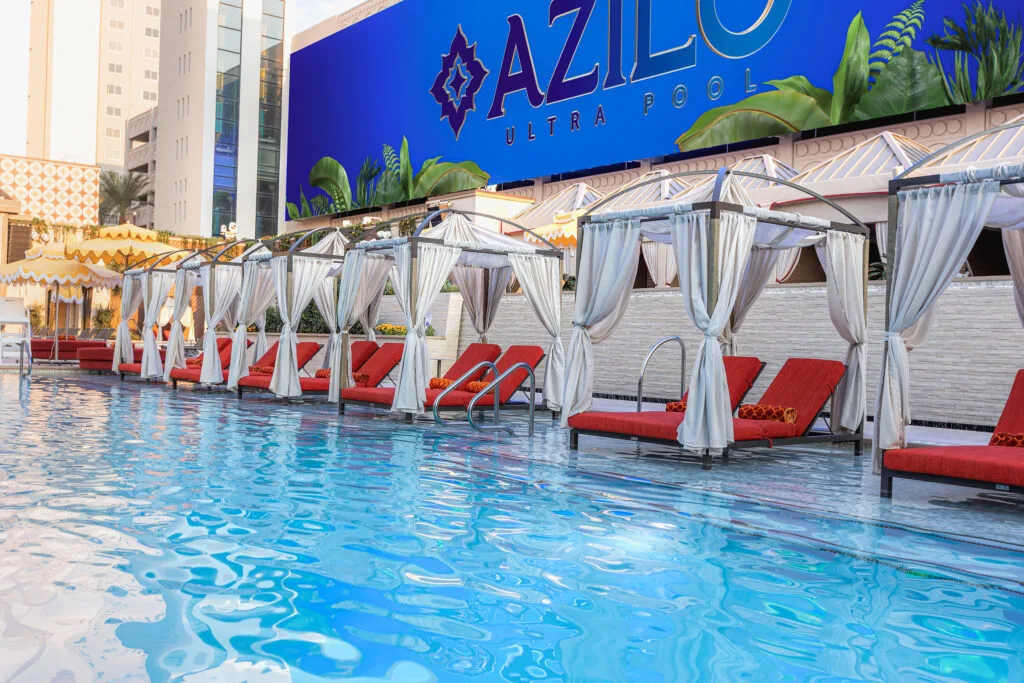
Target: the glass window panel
(273, 7)
(229, 39)
(273, 27)
(226, 61)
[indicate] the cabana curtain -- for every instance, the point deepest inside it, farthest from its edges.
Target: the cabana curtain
(435, 263)
(759, 270)
(184, 284)
(661, 263)
(257, 295)
(347, 316)
(1013, 245)
(937, 228)
(326, 299)
(482, 290)
(542, 285)
(131, 297)
(609, 255)
(156, 286)
(844, 274)
(707, 422)
(307, 274)
(220, 308)
(371, 291)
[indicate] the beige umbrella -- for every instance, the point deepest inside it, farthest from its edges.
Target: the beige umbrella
(124, 242)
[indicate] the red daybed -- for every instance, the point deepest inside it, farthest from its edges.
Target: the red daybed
(367, 358)
(1000, 468)
(192, 373)
(101, 358)
(741, 372)
(43, 349)
(136, 367)
(304, 352)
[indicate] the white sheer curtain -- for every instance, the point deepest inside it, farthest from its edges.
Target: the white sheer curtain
(609, 255)
(661, 263)
(707, 423)
(306, 276)
(371, 292)
(156, 287)
(347, 316)
(131, 297)
(219, 306)
(434, 265)
(844, 272)
(914, 335)
(541, 281)
(482, 291)
(759, 270)
(787, 262)
(326, 299)
(1013, 245)
(256, 296)
(184, 283)
(937, 228)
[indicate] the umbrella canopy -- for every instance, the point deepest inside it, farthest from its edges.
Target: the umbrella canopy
(67, 295)
(47, 266)
(129, 242)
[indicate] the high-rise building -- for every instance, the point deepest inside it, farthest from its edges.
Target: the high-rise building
(93, 64)
(222, 117)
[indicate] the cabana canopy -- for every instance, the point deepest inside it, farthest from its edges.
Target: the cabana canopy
(937, 210)
(572, 198)
(481, 262)
(713, 230)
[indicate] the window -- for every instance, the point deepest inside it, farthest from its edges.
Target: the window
(151, 11)
(113, 90)
(119, 4)
(113, 111)
(147, 95)
(116, 25)
(113, 133)
(152, 32)
(115, 46)
(150, 75)
(115, 68)
(111, 155)
(152, 54)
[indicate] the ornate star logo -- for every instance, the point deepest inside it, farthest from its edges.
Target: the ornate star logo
(455, 88)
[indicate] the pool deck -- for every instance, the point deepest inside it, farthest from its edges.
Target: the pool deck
(817, 480)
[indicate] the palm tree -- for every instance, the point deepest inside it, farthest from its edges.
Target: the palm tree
(120, 194)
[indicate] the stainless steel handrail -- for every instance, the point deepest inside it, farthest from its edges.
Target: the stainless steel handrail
(454, 385)
(494, 386)
(643, 370)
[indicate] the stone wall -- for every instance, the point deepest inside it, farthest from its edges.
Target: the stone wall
(961, 375)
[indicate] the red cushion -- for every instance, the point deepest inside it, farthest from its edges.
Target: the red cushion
(255, 381)
(129, 368)
(269, 358)
(381, 363)
(315, 385)
(991, 464)
(531, 355)
(224, 346)
(379, 395)
(740, 373)
(474, 353)
(304, 352)
(760, 430)
(651, 424)
(804, 384)
(361, 352)
(191, 374)
(1012, 419)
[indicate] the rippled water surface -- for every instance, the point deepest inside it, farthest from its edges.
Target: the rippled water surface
(150, 534)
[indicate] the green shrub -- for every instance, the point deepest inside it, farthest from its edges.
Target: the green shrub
(35, 316)
(311, 322)
(103, 318)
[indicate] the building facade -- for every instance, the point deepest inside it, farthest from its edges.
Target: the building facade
(93, 64)
(221, 118)
(140, 157)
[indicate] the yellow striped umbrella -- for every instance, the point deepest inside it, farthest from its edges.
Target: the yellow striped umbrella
(125, 242)
(48, 266)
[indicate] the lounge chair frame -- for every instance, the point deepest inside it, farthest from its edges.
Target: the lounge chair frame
(888, 475)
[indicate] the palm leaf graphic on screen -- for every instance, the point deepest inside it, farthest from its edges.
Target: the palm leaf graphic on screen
(884, 78)
(389, 182)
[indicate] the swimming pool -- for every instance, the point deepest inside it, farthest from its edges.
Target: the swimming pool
(254, 541)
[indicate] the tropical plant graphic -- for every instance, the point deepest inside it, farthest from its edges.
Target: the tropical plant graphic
(379, 183)
(988, 45)
(886, 78)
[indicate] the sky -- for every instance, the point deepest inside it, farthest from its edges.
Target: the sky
(14, 27)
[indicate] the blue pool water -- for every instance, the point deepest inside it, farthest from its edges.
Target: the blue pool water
(252, 541)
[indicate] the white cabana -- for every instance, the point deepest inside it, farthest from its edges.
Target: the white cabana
(938, 209)
(713, 236)
(297, 276)
(185, 277)
(256, 295)
(425, 261)
(221, 282)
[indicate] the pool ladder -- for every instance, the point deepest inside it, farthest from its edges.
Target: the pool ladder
(495, 387)
(647, 359)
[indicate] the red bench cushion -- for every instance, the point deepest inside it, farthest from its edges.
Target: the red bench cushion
(379, 395)
(804, 384)
(656, 424)
(991, 464)
(361, 352)
(761, 430)
(474, 353)
(531, 355)
(1012, 419)
(191, 375)
(381, 363)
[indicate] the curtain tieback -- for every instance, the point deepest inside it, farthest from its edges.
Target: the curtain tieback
(893, 336)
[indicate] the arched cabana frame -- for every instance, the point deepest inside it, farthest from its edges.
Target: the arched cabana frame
(715, 209)
(944, 213)
(475, 254)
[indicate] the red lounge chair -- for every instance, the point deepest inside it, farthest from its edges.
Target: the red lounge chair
(457, 398)
(372, 395)
(367, 359)
(741, 373)
(136, 367)
(1000, 468)
(805, 384)
(101, 358)
(304, 352)
(192, 374)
